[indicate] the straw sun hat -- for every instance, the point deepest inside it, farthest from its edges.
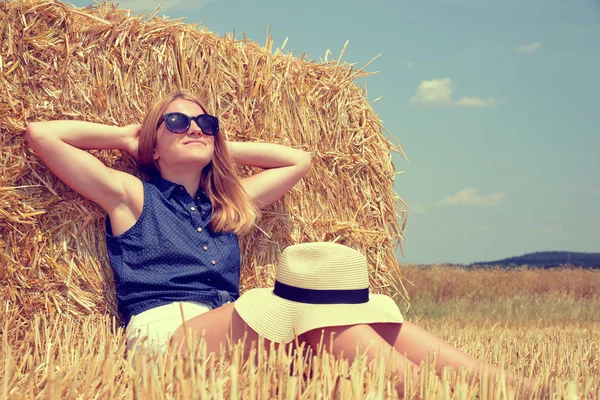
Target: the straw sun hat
(317, 285)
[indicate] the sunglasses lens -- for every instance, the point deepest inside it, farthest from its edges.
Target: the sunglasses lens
(208, 124)
(180, 123)
(176, 122)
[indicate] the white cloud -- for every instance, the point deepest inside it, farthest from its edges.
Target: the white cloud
(439, 92)
(409, 64)
(151, 5)
(529, 48)
(476, 102)
(418, 208)
(435, 91)
(469, 197)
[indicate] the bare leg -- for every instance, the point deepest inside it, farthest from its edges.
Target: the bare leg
(219, 328)
(216, 327)
(345, 339)
(418, 344)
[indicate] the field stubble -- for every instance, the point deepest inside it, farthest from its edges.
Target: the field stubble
(529, 331)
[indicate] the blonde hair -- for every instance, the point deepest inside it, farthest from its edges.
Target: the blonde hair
(232, 208)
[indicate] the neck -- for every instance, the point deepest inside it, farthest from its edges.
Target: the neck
(185, 176)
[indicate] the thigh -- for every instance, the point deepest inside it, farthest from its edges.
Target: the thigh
(347, 340)
(362, 340)
(217, 327)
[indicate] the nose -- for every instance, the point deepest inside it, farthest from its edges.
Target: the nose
(194, 128)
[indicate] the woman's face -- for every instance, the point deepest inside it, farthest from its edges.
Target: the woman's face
(191, 147)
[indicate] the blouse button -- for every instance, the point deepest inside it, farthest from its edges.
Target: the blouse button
(199, 229)
(181, 188)
(193, 208)
(203, 212)
(205, 248)
(213, 262)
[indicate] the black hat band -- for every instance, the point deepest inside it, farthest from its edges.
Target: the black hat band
(318, 296)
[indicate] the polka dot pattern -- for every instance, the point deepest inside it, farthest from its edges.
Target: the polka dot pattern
(170, 254)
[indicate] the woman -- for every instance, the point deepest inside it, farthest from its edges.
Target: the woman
(172, 237)
(172, 240)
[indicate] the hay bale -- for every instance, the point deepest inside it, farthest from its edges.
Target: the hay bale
(103, 65)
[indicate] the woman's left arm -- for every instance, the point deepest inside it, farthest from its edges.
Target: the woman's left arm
(284, 167)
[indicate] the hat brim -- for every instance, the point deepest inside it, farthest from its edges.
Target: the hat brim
(281, 320)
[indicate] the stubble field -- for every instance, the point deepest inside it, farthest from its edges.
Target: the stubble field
(543, 324)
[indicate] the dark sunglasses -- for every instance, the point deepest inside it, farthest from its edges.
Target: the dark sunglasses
(177, 122)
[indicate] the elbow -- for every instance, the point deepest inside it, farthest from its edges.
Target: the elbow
(31, 132)
(305, 162)
(36, 135)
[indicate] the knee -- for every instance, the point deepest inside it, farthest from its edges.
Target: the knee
(324, 336)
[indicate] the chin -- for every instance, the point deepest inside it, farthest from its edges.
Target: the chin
(200, 159)
(194, 155)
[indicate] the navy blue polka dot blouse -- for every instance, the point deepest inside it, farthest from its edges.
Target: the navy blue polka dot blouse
(170, 253)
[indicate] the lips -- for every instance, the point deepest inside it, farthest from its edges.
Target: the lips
(196, 142)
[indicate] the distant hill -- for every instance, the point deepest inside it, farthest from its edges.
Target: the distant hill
(549, 259)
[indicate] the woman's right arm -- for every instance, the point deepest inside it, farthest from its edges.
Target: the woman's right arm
(62, 144)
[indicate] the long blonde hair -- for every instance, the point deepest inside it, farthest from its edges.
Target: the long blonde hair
(233, 210)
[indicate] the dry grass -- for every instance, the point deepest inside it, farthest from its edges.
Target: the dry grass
(559, 295)
(442, 283)
(63, 358)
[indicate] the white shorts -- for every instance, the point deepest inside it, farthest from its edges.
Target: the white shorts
(153, 328)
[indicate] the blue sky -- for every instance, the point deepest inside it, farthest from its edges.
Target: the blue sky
(496, 102)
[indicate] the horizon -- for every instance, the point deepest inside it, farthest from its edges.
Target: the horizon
(500, 260)
(495, 105)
